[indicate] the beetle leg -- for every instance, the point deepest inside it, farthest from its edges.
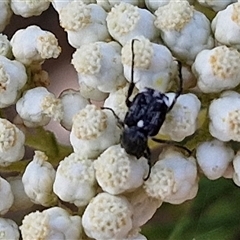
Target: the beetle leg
(120, 123)
(173, 144)
(132, 84)
(147, 155)
(180, 89)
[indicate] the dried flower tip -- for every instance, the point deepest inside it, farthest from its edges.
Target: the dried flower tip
(89, 123)
(173, 178)
(217, 69)
(47, 46)
(236, 13)
(34, 45)
(38, 180)
(126, 22)
(143, 53)
(52, 107)
(7, 135)
(117, 172)
(52, 223)
(75, 180)
(174, 16)
(123, 18)
(93, 131)
(225, 62)
(107, 217)
(86, 59)
(35, 226)
(11, 143)
(37, 106)
(13, 77)
(99, 65)
(75, 15)
(154, 66)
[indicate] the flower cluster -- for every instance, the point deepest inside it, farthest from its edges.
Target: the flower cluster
(93, 189)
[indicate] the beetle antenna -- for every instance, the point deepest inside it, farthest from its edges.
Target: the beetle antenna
(132, 85)
(167, 142)
(180, 88)
(147, 155)
(119, 121)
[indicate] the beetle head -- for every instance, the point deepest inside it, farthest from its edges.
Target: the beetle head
(134, 141)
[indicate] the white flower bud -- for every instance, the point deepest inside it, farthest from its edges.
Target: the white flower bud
(177, 22)
(229, 172)
(181, 121)
(79, 19)
(136, 236)
(118, 172)
(72, 102)
(236, 169)
(173, 178)
(215, 4)
(126, 22)
(116, 101)
(5, 14)
(6, 196)
(75, 180)
(34, 45)
(224, 114)
(99, 65)
(107, 217)
(27, 8)
(153, 5)
(144, 207)
(93, 131)
(91, 92)
(21, 200)
(11, 143)
(37, 106)
(213, 158)
(217, 69)
(5, 46)
(13, 77)
(52, 223)
(59, 4)
(108, 4)
(226, 25)
(8, 229)
(38, 180)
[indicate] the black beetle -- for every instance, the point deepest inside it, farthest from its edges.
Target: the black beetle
(145, 116)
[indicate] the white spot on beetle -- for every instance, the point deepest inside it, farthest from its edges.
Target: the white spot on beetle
(140, 123)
